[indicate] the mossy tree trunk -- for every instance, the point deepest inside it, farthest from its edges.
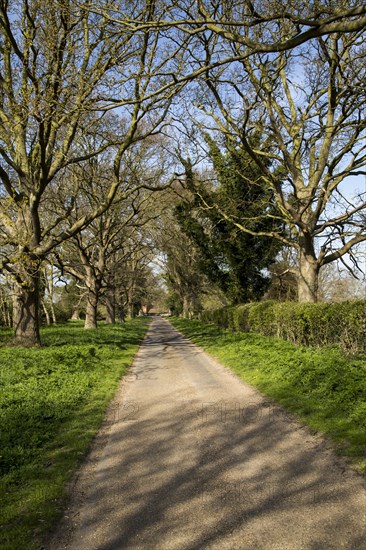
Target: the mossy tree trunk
(26, 312)
(91, 309)
(110, 308)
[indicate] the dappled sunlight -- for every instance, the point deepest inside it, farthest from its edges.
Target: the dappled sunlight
(195, 459)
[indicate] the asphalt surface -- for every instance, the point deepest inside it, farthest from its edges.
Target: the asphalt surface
(190, 457)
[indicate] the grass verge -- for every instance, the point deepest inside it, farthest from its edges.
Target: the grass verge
(323, 387)
(52, 403)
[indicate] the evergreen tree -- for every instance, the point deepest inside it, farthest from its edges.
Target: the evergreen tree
(234, 260)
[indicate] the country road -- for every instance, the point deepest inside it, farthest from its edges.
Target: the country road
(192, 458)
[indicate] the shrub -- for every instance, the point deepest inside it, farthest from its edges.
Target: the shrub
(261, 318)
(320, 324)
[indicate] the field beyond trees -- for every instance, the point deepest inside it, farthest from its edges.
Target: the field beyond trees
(52, 402)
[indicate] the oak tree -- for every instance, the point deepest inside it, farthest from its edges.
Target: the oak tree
(309, 108)
(63, 68)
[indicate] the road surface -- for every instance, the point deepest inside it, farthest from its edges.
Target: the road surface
(192, 458)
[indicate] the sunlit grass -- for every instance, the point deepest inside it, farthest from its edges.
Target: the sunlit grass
(324, 388)
(52, 402)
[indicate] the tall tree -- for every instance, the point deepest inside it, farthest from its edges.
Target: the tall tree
(48, 276)
(309, 107)
(95, 254)
(179, 260)
(234, 260)
(62, 68)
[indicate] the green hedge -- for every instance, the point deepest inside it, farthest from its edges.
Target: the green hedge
(305, 324)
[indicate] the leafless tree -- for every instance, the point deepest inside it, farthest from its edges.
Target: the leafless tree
(97, 254)
(301, 116)
(252, 24)
(63, 67)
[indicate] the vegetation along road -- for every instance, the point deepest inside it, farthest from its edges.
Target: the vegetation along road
(194, 458)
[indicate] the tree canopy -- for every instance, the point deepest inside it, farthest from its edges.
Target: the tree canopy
(280, 84)
(234, 260)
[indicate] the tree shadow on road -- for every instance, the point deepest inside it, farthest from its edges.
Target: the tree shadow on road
(218, 491)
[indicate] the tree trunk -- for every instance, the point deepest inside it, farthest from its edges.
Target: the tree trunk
(75, 314)
(91, 310)
(26, 313)
(187, 308)
(48, 318)
(9, 319)
(110, 308)
(53, 314)
(3, 309)
(130, 304)
(51, 293)
(307, 282)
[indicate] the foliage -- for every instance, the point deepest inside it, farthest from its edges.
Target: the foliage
(52, 402)
(311, 140)
(174, 303)
(302, 324)
(179, 260)
(323, 387)
(70, 299)
(283, 287)
(232, 259)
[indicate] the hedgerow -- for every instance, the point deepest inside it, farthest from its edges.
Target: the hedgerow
(320, 324)
(321, 385)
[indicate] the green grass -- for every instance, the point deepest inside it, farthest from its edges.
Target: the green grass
(52, 402)
(5, 335)
(323, 387)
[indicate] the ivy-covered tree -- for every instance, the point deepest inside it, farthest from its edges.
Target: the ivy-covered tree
(234, 260)
(308, 106)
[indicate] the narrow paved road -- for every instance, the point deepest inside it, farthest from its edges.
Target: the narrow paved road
(193, 458)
